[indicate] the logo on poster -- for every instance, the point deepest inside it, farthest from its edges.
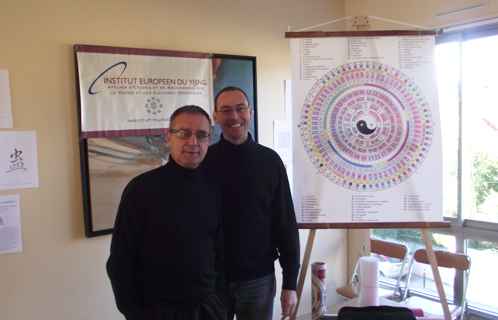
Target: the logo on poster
(153, 106)
(111, 67)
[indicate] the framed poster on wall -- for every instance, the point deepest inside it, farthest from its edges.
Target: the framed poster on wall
(111, 155)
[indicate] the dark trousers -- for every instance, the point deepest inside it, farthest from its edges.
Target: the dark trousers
(213, 309)
(251, 300)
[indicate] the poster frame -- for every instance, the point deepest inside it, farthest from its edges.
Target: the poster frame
(245, 80)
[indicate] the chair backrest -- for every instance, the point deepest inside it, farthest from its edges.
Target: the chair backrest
(390, 249)
(386, 248)
(393, 250)
(446, 259)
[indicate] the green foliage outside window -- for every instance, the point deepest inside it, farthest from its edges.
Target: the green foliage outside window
(485, 181)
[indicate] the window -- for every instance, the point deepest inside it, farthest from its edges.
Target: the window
(468, 100)
(480, 129)
(482, 280)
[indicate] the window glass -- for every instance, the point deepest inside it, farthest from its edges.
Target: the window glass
(482, 280)
(480, 129)
(390, 268)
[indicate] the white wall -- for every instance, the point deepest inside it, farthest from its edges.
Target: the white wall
(61, 274)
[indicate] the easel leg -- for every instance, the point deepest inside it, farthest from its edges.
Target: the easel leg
(435, 271)
(304, 269)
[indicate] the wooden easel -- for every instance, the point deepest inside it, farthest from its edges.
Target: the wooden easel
(424, 226)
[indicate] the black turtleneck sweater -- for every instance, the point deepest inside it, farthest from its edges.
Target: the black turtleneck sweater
(258, 213)
(167, 244)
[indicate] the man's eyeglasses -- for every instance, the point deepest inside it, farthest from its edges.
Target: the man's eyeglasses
(227, 111)
(186, 134)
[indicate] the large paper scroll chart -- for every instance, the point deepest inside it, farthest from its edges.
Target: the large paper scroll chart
(366, 134)
(362, 127)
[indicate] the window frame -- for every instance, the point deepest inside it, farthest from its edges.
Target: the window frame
(461, 228)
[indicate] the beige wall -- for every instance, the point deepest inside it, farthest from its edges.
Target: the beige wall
(61, 274)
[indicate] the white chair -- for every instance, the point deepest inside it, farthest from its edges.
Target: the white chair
(384, 248)
(457, 261)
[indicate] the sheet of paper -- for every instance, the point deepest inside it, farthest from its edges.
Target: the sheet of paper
(282, 139)
(18, 160)
(5, 105)
(366, 132)
(10, 224)
(288, 99)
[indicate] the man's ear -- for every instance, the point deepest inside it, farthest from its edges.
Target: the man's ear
(168, 136)
(215, 117)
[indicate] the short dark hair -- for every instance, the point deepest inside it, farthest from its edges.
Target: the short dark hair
(226, 89)
(188, 109)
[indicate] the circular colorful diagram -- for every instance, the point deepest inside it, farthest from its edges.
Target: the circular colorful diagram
(366, 126)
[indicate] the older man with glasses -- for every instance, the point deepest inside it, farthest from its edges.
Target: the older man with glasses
(166, 260)
(258, 214)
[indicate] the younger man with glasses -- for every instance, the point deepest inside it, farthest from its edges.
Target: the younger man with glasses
(258, 214)
(166, 259)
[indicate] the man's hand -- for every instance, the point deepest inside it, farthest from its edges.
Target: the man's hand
(288, 299)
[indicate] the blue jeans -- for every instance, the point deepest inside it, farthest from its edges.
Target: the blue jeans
(251, 300)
